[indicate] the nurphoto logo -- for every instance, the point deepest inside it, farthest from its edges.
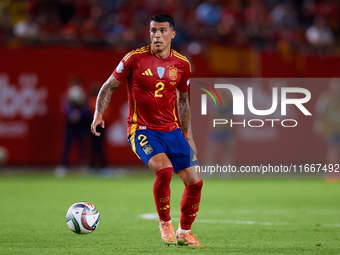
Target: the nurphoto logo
(238, 103)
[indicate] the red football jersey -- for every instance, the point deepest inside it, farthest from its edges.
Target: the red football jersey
(152, 84)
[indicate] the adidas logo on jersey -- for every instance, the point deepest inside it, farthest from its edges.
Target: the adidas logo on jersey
(148, 72)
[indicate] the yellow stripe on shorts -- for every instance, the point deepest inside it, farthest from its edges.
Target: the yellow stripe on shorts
(133, 128)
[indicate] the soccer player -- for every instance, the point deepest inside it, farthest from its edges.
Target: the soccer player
(157, 76)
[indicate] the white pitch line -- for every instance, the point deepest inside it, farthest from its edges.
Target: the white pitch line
(153, 216)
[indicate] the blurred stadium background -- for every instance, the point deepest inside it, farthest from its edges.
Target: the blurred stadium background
(46, 44)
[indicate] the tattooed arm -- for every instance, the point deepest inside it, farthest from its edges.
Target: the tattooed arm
(184, 115)
(103, 100)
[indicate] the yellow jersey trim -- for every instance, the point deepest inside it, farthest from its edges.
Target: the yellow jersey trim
(142, 50)
(180, 56)
(133, 128)
(175, 117)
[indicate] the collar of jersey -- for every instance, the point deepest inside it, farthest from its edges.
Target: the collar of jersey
(171, 51)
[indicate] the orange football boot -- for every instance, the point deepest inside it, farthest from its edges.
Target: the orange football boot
(187, 239)
(167, 232)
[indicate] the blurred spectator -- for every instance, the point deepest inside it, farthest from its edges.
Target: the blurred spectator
(209, 13)
(98, 159)
(71, 30)
(27, 28)
(285, 16)
(328, 123)
(49, 28)
(320, 36)
(220, 144)
(256, 19)
(65, 10)
(78, 118)
(17, 10)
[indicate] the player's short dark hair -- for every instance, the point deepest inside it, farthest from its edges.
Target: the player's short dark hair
(164, 18)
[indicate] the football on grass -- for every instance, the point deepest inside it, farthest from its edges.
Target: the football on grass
(82, 218)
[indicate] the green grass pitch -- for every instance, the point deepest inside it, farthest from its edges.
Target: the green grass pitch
(237, 216)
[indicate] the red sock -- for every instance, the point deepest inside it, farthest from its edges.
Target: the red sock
(189, 205)
(161, 192)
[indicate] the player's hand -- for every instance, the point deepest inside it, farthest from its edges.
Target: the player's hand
(97, 120)
(192, 145)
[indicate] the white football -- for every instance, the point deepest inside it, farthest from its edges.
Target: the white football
(82, 218)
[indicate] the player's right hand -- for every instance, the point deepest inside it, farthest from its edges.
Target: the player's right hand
(97, 121)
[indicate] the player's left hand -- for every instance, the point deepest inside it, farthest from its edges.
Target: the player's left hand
(97, 120)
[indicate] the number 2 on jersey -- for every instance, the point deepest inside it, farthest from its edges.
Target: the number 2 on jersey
(143, 142)
(160, 87)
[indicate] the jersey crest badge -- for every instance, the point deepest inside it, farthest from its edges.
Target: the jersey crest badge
(173, 73)
(147, 149)
(160, 71)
